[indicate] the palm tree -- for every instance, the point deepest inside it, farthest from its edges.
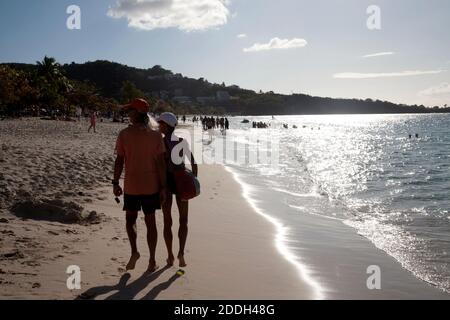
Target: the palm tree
(49, 68)
(52, 84)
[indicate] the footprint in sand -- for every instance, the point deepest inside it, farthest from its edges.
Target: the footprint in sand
(8, 233)
(31, 263)
(14, 255)
(36, 285)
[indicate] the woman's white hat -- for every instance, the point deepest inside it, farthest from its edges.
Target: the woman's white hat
(168, 118)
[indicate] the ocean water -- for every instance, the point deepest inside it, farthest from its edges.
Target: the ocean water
(362, 170)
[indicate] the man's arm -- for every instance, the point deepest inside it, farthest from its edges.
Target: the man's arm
(191, 158)
(118, 167)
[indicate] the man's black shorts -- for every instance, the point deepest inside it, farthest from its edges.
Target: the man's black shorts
(146, 203)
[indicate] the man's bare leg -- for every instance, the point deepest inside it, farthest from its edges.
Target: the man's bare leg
(168, 237)
(183, 208)
(132, 236)
(152, 239)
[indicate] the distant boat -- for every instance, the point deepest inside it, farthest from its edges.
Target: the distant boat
(245, 121)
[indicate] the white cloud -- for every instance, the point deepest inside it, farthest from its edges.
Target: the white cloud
(379, 54)
(277, 44)
(441, 89)
(242, 36)
(355, 75)
(186, 15)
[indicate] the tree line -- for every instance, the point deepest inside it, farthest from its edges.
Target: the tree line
(102, 86)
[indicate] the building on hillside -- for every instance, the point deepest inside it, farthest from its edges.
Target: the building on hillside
(206, 100)
(182, 99)
(222, 96)
(178, 92)
(163, 94)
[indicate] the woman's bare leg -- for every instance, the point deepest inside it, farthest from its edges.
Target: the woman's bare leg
(168, 237)
(183, 208)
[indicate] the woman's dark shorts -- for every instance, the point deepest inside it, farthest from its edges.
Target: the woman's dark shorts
(146, 203)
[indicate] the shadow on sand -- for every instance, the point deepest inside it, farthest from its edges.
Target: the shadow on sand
(130, 291)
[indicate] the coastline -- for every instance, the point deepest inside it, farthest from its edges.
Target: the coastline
(335, 259)
(236, 249)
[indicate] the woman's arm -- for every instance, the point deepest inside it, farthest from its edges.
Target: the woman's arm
(189, 155)
(194, 166)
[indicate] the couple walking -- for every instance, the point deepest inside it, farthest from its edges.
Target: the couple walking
(149, 180)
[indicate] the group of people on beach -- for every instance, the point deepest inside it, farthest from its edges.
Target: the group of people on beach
(209, 123)
(260, 125)
(150, 180)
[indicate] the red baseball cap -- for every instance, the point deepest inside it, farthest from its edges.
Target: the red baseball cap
(140, 105)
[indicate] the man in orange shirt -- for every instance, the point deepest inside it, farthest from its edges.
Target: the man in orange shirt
(141, 150)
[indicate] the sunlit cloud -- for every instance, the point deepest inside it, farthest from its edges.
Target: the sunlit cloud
(356, 75)
(277, 44)
(440, 89)
(242, 36)
(379, 54)
(186, 15)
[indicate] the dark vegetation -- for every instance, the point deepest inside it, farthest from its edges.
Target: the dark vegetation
(50, 88)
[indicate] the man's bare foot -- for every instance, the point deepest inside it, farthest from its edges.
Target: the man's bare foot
(152, 267)
(170, 260)
(182, 261)
(132, 263)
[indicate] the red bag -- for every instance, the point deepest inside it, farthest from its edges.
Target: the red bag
(188, 186)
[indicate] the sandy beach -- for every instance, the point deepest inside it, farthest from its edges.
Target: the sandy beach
(56, 171)
(57, 210)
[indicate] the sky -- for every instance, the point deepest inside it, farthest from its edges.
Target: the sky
(397, 51)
